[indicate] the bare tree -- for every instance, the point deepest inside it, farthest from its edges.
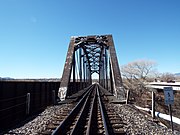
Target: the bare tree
(139, 70)
(167, 77)
(136, 73)
(177, 78)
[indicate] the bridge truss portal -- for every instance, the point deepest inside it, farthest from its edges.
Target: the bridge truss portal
(88, 55)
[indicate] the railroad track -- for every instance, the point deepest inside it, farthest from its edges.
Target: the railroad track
(92, 115)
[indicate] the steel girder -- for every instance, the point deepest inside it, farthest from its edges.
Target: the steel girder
(115, 70)
(96, 50)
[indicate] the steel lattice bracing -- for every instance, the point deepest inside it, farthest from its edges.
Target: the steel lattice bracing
(88, 55)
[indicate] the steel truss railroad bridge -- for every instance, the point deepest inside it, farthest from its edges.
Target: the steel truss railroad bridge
(88, 55)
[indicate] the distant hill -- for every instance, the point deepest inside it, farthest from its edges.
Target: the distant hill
(6, 78)
(27, 79)
(177, 74)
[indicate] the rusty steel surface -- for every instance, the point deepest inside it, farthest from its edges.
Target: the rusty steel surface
(119, 91)
(67, 70)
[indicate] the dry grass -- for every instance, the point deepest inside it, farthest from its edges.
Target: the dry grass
(144, 100)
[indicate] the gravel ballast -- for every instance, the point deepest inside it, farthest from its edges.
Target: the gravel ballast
(136, 123)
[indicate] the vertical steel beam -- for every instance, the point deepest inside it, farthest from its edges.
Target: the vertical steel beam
(67, 71)
(106, 62)
(118, 87)
(80, 67)
(89, 75)
(84, 84)
(111, 78)
(74, 71)
(104, 69)
(101, 68)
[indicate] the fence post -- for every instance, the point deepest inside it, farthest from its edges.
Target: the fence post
(153, 105)
(53, 97)
(127, 96)
(27, 103)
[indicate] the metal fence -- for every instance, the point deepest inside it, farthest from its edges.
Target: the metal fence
(21, 99)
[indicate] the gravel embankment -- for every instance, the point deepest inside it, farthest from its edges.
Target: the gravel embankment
(136, 122)
(140, 124)
(38, 124)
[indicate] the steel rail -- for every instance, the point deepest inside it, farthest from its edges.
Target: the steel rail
(88, 131)
(78, 123)
(89, 127)
(61, 128)
(102, 112)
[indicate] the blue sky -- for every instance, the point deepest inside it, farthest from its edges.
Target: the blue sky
(35, 34)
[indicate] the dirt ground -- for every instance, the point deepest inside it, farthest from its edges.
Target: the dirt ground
(144, 100)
